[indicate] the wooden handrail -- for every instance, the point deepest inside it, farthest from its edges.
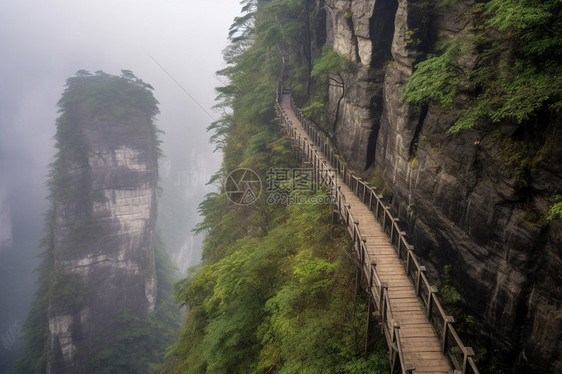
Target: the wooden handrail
(397, 237)
(318, 138)
(377, 290)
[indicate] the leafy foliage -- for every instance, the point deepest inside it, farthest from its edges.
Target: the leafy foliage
(518, 70)
(106, 92)
(435, 79)
(555, 210)
(326, 72)
(329, 62)
(282, 302)
(274, 291)
(66, 289)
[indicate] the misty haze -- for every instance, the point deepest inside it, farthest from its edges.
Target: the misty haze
(46, 42)
(281, 186)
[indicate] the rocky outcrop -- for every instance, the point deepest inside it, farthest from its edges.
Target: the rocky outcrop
(363, 31)
(457, 194)
(104, 212)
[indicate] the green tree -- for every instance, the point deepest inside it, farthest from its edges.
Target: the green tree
(271, 276)
(518, 71)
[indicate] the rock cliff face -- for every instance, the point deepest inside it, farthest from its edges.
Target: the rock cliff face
(456, 194)
(104, 212)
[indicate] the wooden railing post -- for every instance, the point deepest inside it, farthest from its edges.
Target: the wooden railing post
(418, 279)
(432, 290)
(357, 242)
(386, 210)
(372, 276)
(409, 367)
(401, 236)
(393, 223)
(446, 322)
(363, 247)
(368, 337)
(410, 253)
(308, 149)
(468, 352)
(395, 352)
(377, 210)
(338, 197)
(382, 302)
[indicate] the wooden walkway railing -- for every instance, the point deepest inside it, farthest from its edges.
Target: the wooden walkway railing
(397, 284)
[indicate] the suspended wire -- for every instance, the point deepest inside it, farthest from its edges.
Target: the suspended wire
(180, 86)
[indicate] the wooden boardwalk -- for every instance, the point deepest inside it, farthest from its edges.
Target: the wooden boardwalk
(419, 348)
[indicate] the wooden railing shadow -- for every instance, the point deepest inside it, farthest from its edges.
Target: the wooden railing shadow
(328, 169)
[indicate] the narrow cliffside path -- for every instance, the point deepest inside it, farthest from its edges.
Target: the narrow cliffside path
(419, 344)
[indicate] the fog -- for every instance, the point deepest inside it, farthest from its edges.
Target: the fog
(45, 42)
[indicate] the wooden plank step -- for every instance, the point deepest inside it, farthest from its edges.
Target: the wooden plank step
(419, 331)
(401, 314)
(390, 273)
(370, 228)
(384, 262)
(433, 367)
(419, 340)
(405, 306)
(425, 348)
(405, 316)
(392, 279)
(419, 343)
(387, 266)
(402, 291)
(381, 251)
(390, 269)
(384, 252)
(409, 294)
(367, 215)
(410, 321)
(386, 256)
(400, 285)
(420, 356)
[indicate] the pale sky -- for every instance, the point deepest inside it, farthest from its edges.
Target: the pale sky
(45, 42)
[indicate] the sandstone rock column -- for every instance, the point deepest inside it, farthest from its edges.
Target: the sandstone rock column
(104, 204)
